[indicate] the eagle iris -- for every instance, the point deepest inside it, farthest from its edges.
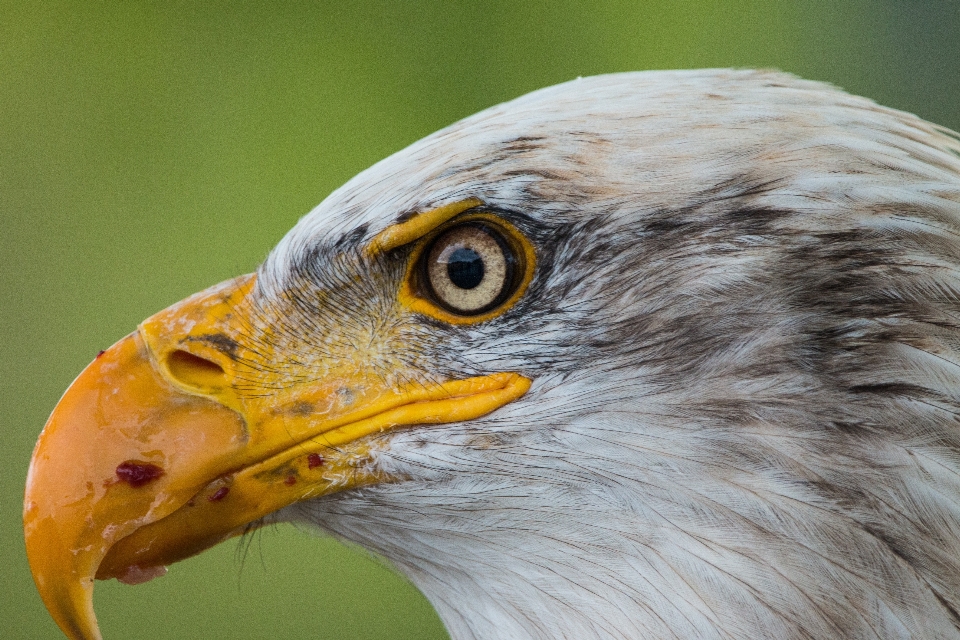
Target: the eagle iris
(469, 268)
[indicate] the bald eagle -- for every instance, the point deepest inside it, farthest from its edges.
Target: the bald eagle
(645, 355)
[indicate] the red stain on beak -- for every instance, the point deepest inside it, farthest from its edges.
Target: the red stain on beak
(219, 494)
(314, 460)
(137, 474)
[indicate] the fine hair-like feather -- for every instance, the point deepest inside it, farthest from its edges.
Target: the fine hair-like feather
(744, 337)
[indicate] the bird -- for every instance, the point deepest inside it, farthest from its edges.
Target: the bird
(661, 354)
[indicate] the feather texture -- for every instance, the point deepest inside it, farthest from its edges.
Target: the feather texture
(744, 336)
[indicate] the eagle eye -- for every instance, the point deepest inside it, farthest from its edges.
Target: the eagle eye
(469, 270)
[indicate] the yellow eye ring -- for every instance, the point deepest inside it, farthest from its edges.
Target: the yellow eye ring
(467, 238)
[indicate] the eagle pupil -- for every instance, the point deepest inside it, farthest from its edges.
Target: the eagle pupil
(465, 268)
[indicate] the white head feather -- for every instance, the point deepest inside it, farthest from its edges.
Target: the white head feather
(744, 336)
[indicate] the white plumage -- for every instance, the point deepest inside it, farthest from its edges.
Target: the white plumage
(743, 340)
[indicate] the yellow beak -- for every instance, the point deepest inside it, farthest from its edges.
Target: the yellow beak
(179, 437)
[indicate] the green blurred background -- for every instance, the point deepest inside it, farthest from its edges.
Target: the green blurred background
(148, 150)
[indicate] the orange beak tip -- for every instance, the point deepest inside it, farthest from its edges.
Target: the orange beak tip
(123, 448)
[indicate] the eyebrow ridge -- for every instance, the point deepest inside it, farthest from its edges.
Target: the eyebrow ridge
(401, 233)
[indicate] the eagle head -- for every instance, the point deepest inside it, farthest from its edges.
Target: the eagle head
(657, 355)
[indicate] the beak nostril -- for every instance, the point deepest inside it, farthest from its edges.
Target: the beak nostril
(193, 371)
